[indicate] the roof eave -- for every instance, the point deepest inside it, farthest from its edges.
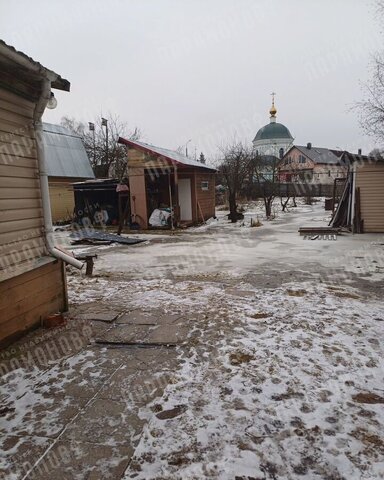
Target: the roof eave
(27, 64)
(130, 143)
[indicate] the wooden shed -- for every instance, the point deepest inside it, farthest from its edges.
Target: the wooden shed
(164, 179)
(67, 162)
(32, 275)
(361, 208)
(369, 183)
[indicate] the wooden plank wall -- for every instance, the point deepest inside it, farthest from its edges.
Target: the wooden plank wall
(21, 215)
(154, 165)
(62, 200)
(29, 297)
(206, 198)
(370, 180)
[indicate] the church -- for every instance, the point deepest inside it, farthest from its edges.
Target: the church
(274, 139)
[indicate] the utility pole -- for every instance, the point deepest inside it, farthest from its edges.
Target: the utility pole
(92, 129)
(104, 123)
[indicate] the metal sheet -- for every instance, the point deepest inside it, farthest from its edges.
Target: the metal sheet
(65, 153)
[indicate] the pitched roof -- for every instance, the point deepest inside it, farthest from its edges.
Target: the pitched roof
(29, 68)
(349, 157)
(65, 153)
(320, 155)
(175, 158)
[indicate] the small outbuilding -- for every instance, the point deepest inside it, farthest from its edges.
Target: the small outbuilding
(162, 181)
(361, 207)
(67, 162)
(98, 195)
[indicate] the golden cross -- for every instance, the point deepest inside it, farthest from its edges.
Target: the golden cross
(273, 97)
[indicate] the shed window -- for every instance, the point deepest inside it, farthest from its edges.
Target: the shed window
(204, 185)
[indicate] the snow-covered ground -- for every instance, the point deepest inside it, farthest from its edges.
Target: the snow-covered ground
(270, 389)
(223, 248)
(282, 373)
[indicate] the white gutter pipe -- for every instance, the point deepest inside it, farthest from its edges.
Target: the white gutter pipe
(353, 197)
(48, 228)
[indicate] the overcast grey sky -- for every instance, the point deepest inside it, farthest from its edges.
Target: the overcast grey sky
(204, 69)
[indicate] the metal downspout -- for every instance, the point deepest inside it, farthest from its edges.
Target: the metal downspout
(48, 228)
(353, 197)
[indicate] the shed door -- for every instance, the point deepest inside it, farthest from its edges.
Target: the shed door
(185, 199)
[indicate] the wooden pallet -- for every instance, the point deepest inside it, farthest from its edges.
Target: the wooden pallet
(319, 230)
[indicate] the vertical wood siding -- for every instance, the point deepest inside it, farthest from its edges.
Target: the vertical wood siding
(62, 201)
(370, 180)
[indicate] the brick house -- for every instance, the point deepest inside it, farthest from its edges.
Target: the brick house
(314, 165)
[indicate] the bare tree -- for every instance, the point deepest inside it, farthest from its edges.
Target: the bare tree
(371, 108)
(235, 169)
(265, 172)
(105, 162)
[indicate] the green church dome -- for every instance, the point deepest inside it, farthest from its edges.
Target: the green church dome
(273, 131)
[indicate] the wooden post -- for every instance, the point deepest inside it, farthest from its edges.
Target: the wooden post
(177, 207)
(170, 200)
(89, 263)
(196, 219)
(334, 196)
(201, 212)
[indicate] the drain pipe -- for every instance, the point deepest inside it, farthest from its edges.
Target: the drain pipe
(48, 228)
(353, 197)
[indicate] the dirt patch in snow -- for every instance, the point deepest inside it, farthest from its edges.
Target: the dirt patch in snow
(368, 397)
(238, 358)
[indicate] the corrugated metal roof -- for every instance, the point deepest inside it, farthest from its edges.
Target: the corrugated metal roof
(65, 153)
(171, 155)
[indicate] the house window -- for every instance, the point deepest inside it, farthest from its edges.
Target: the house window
(301, 159)
(204, 185)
